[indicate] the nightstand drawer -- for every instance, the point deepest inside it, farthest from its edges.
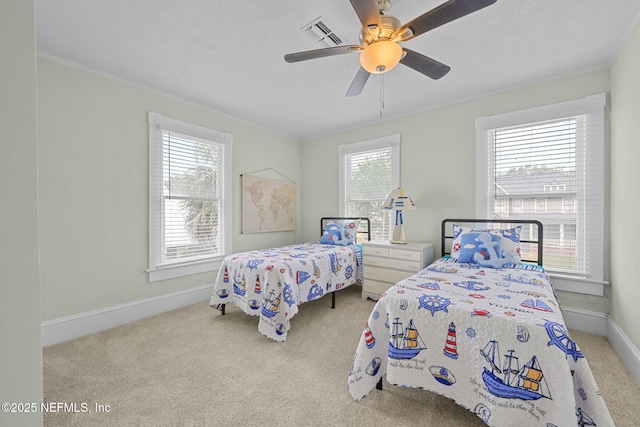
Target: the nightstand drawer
(372, 250)
(385, 264)
(398, 264)
(374, 287)
(384, 275)
(402, 254)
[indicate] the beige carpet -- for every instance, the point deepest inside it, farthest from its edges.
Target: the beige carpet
(194, 367)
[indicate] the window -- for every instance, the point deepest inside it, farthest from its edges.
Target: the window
(369, 170)
(557, 148)
(189, 198)
(569, 232)
(502, 206)
(517, 205)
(568, 204)
(551, 187)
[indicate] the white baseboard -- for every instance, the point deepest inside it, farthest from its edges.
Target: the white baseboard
(601, 324)
(68, 328)
(585, 321)
(627, 351)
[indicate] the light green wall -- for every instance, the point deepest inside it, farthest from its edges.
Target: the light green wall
(625, 185)
(437, 160)
(93, 181)
(21, 355)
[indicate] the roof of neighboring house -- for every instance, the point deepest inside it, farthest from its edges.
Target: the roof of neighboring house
(533, 185)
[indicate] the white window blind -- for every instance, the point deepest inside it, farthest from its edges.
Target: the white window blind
(547, 163)
(189, 187)
(369, 170)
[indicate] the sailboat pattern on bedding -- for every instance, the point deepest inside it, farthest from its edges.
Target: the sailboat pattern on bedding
(271, 283)
(493, 340)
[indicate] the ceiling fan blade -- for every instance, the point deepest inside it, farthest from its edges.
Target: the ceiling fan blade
(320, 53)
(446, 12)
(425, 65)
(358, 82)
(368, 13)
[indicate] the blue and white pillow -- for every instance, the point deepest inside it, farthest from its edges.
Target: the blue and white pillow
(486, 247)
(340, 232)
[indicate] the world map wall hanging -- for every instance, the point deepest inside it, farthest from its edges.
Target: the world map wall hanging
(268, 204)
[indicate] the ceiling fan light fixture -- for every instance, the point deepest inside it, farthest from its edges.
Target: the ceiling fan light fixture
(380, 56)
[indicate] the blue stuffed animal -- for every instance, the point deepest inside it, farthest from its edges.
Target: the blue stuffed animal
(494, 260)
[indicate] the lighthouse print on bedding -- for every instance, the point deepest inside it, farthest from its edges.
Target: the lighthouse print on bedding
(272, 283)
(491, 339)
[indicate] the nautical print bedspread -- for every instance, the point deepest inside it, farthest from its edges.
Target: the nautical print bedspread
(493, 340)
(271, 283)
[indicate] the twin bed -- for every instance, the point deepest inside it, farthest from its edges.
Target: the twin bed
(481, 325)
(272, 283)
(484, 329)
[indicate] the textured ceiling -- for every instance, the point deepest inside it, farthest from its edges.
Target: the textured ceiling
(227, 56)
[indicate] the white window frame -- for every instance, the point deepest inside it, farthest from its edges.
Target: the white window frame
(157, 270)
(390, 141)
(593, 220)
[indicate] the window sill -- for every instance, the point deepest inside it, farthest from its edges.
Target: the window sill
(578, 285)
(171, 272)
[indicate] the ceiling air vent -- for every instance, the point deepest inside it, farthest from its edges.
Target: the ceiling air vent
(321, 32)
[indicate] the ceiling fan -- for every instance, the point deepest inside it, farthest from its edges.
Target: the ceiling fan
(381, 34)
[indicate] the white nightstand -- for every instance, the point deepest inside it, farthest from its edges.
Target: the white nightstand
(385, 264)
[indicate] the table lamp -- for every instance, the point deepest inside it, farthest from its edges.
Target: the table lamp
(398, 200)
